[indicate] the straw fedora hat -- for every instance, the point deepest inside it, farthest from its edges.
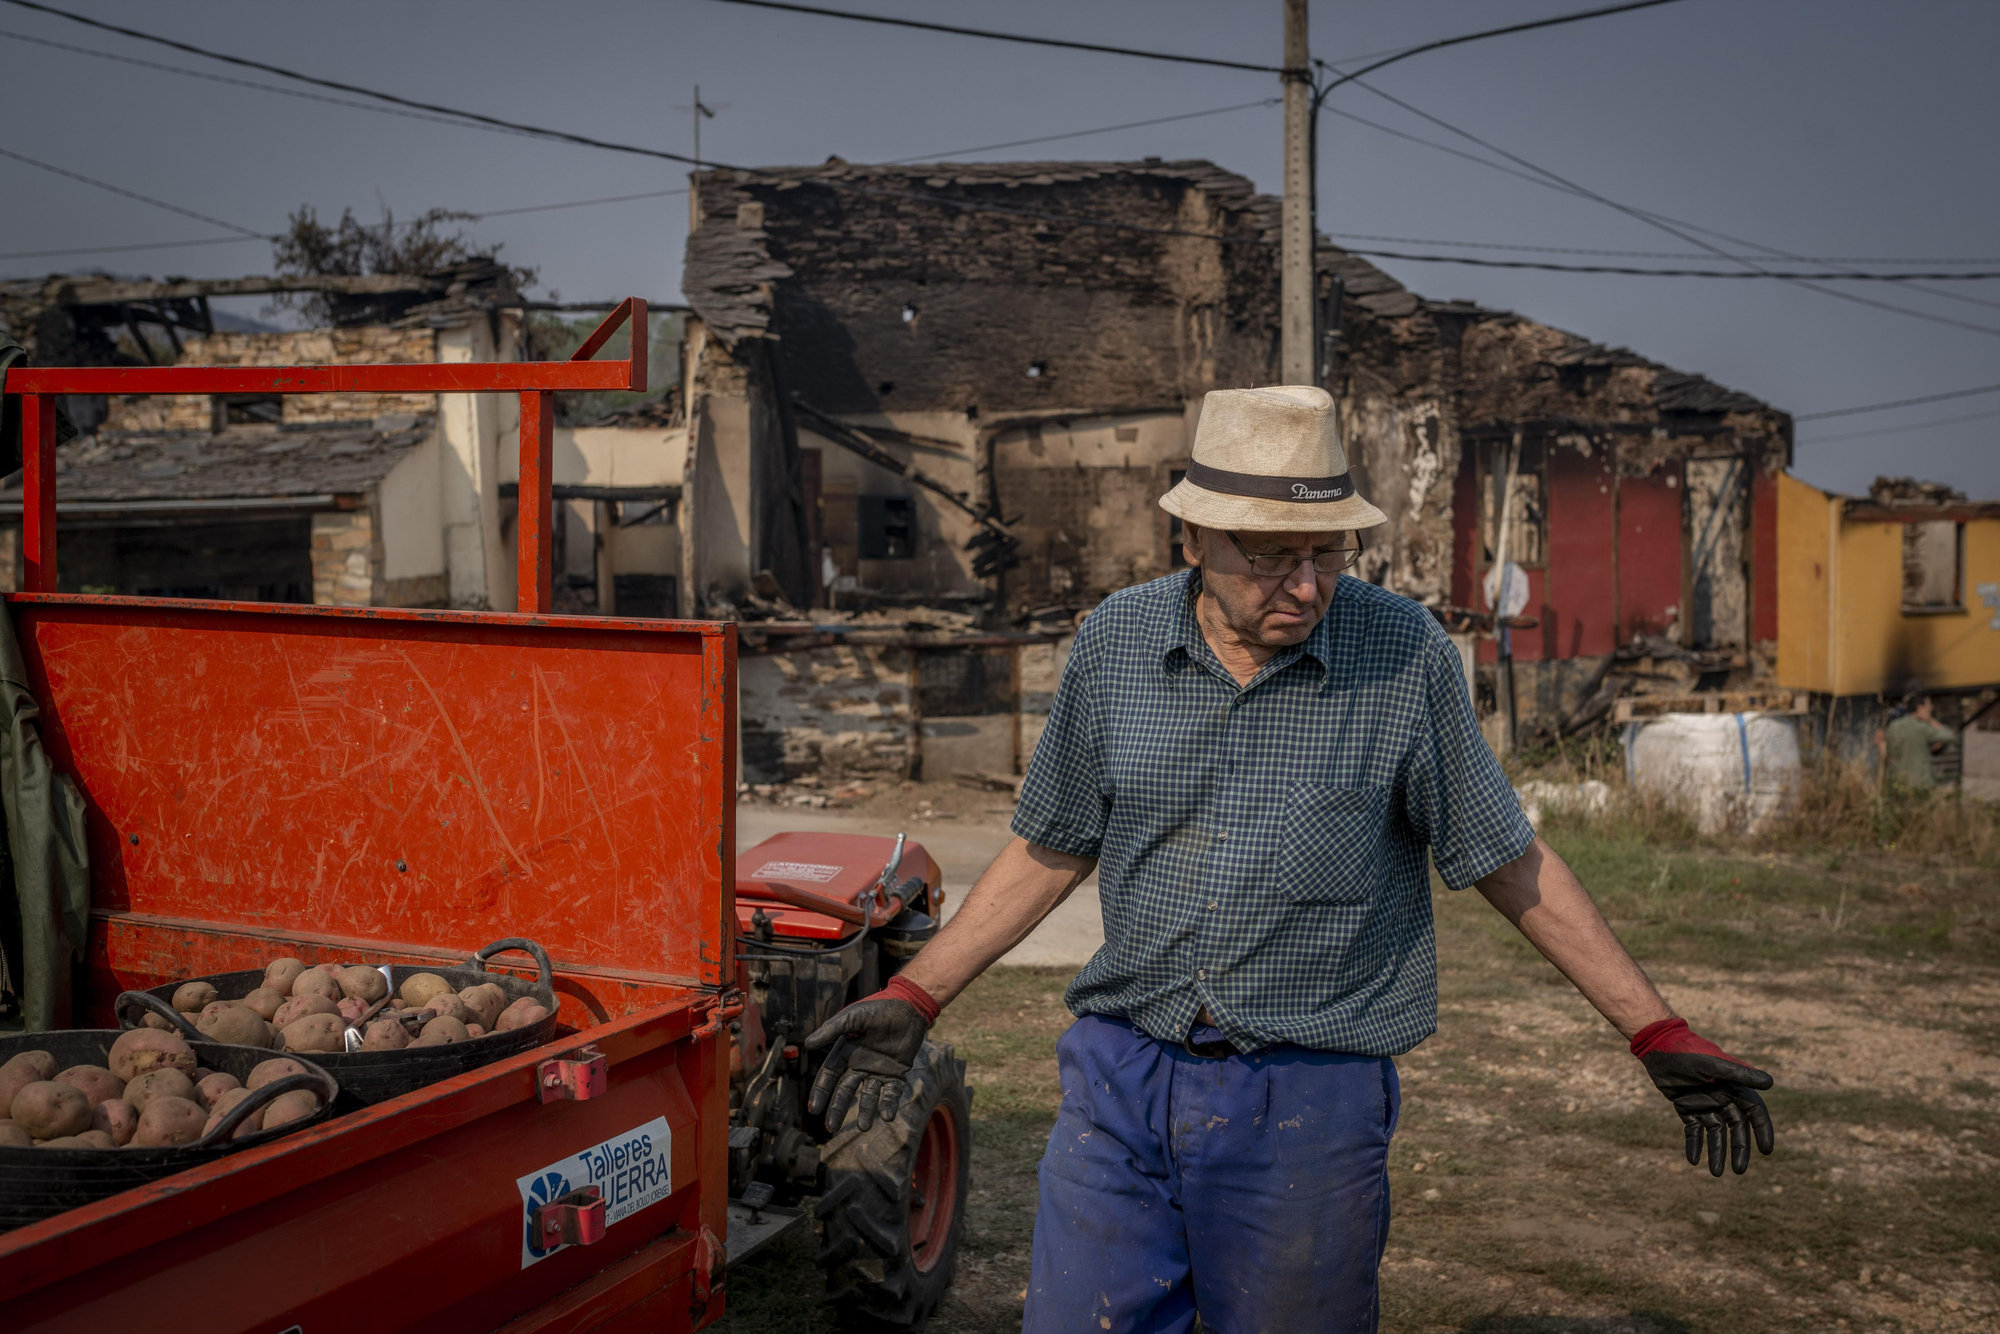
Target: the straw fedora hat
(1269, 460)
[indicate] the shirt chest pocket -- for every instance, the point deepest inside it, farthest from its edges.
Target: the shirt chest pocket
(1330, 843)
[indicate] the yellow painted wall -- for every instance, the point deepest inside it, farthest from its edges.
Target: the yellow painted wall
(1805, 579)
(1841, 627)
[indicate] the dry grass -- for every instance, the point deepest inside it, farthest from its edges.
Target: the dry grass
(1537, 1178)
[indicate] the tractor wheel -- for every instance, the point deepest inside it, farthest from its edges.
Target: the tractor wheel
(895, 1198)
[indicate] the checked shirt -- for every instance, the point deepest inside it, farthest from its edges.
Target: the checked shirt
(1262, 849)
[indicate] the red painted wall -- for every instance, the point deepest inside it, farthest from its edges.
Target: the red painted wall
(1589, 600)
(1649, 551)
(1577, 619)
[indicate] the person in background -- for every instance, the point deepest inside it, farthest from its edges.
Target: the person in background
(1909, 741)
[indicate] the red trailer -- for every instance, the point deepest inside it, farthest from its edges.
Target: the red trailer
(405, 786)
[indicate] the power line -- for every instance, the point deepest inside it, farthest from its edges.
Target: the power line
(1079, 134)
(1654, 254)
(1655, 221)
(234, 83)
(1898, 403)
(1015, 36)
(1835, 275)
(1443, 42)
(130, 194)
(120, 249)
(1898, 430)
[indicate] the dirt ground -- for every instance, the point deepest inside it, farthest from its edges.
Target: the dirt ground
(1537, 1177)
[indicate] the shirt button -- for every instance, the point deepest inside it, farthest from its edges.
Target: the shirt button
(1202, 974)
(1222, 837)
(1213, 906)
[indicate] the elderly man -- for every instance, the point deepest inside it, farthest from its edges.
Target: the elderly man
(1257, 755)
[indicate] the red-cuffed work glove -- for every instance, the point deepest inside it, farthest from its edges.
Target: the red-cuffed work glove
(875, 1041)
(1712, 1090)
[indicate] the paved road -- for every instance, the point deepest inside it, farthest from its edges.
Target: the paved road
(1069, 936)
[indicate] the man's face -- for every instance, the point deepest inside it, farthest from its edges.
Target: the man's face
(1923, 709)
(1268, 610)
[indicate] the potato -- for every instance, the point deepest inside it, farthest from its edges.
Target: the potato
(266, 1001)
(452, 1030)
(192, 997)
(117, 1118)
(25, 1068)
(298, 1007)
(169, 1121)
(384, 1035)
(448, 1003)
(317, 982)
(65, 1142)
(208, 1090)
(139, 1050)
(98, 1139)
(279, 974)
(351, 1008)
(245, 1128)
(48, 1110)
(485, 1002)
(294, 1106)
(237, 1025)
(268, 1072)
(364, 984)
(97, 1083)
(158, 1084)
(158, 1022)
(316, 1032)
(419, 989)
(475, 1030)
(13, 1137)
(523, 1013)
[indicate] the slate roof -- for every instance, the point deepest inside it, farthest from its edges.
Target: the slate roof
(242, 462)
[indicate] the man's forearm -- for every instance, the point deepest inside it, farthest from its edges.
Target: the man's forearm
(1022, 886)
(1542, 897)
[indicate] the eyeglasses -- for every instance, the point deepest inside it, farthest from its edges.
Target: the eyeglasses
(1283, 563)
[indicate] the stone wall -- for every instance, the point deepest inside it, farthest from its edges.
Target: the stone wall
(309, 347)
(346, 559)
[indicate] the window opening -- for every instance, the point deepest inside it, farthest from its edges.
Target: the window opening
(888, 527)
(1933, 567)
(1527, 526)
(249, 410)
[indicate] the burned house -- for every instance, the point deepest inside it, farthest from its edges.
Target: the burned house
(966, 386)
(356, 499)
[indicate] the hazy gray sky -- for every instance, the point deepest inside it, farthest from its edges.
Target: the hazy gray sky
(1819, 127)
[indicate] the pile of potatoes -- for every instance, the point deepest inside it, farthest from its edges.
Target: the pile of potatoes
(309, 1008)
(152, 1095)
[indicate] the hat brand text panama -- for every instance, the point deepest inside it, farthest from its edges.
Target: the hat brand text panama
(1269, 460)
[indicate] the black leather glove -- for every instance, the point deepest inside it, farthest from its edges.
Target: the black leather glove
(874, 1043)
(1714, 1093)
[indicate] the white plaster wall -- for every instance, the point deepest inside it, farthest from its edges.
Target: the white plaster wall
(412, 499)
(611, 456)
(469, 426)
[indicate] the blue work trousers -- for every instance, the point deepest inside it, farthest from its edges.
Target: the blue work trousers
(1253, 1189)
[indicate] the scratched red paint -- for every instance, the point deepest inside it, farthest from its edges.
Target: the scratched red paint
(440, 779)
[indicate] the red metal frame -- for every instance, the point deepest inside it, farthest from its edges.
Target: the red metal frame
(535, 381)
(401, 786)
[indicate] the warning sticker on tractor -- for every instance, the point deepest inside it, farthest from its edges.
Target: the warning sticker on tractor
(814, 871)
(630, 1171)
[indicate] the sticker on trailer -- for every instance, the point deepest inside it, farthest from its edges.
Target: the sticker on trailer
(816, 872)
(632, 1170)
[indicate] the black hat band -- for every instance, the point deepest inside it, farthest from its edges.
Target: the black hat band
(1296, 490)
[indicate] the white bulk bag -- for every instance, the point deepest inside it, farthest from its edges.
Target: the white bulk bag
(1728, 770)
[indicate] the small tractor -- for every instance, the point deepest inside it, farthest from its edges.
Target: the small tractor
(824, 920)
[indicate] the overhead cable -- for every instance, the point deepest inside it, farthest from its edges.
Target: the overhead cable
(130, 194)
(1013, 36)
(1080, 134)
(1443, 42)
(1653, 220)
(1655, 254)
(1897, 403)
(1898, 430)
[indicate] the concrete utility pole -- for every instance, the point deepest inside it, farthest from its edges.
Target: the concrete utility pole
(1297, 356)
